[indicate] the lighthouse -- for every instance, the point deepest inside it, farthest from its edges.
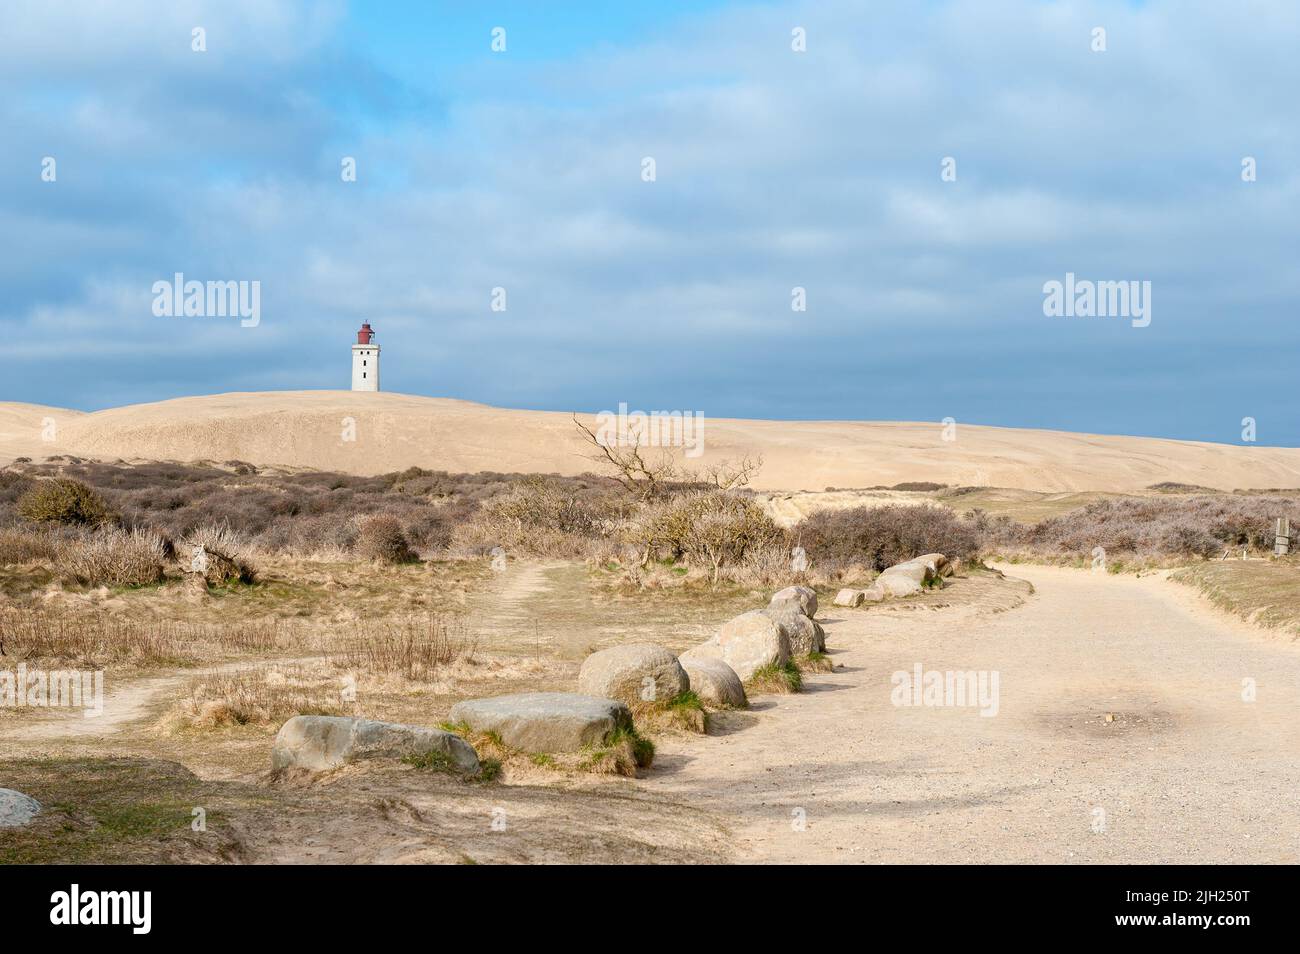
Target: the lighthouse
(365, 360)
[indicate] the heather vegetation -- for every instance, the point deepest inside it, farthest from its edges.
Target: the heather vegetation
(1164, 527)
(127, 525)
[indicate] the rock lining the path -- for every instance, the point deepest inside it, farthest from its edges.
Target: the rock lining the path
(715, 682)
(321, 743)
(638, 672)
(747, 643)
(545, 721)
(805, 596)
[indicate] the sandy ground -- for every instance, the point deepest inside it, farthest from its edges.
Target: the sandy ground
(395, 431)
(1186, 771)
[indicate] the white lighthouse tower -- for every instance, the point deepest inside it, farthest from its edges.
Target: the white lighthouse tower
(365, 360)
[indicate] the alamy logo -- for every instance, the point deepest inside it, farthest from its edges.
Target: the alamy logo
(181, 299)
(949, 688)
(103, 907)
(1088, 299)
(53, 689)
(655, 429)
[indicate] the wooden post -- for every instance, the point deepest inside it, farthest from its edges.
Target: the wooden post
(1282, 539)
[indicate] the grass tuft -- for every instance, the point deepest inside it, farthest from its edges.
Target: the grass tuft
(815, 662)
(773, 678)
(622, 753)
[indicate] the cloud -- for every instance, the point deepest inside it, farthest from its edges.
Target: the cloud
(775, 169)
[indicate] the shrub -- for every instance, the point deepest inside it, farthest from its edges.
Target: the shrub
(111, 556)
(22, 545)
(710, 528)
(1170, 526)
(380, 537)
(543, 516)
(65, 501)
(228, 559)
(880, 537)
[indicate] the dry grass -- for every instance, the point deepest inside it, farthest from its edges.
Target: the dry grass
(814, 662)
(259, 697)
(685, 713)
(1263, 592)
(775, 680)
(413, 648)
(20, 545)
(48, 634)
(114, 557)
(623, 752)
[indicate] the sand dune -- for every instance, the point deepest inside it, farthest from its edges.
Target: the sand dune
(395, 431)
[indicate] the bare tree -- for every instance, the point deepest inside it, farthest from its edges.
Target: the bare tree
(636, 472)
(632, 469)
(730, 474)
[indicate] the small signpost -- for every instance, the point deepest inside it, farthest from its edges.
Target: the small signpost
(1282, 538)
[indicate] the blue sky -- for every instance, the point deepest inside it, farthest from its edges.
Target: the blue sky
(775, 169)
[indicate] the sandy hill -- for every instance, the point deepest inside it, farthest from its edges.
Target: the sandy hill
(395, 431)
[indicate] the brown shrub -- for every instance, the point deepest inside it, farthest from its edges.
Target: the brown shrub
(1174, 526)
(880, 537)
(709, 528)
(226, 556)
(111, 556)
(25, 545)
(380, 537)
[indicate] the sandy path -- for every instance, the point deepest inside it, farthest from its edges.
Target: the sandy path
(124, 706)
(1188, 771)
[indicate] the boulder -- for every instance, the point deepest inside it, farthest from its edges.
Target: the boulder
(640, 672)
(849, 597)
(747, 643)
(874, 594)
(321, 743)
(17, 809)
(805, 635)
(715, 682)
(905, 579)
(545, 721)
(937, 562)
(805, 595)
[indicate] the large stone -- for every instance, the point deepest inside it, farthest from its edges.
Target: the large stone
(640, 672)
(806, 596)
(545, 721)
(874, 594)
(321, 743)
(849, 597)
(715, 682)
(905, 579)
(17, 809)
(747, 643)
(937, 562)
(805, 635)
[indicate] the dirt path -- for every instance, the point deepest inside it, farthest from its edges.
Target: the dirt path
(1186, 771)
(124, 706)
